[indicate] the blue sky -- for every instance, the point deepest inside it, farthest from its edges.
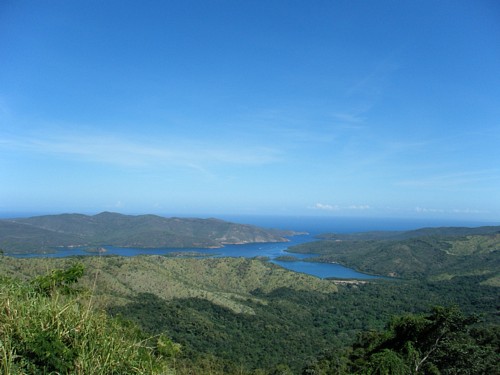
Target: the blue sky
(341, 108)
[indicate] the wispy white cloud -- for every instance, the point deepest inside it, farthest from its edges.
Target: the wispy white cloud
(189, 153)
(468, 211)
(325, 207)
(290, 133)
(372, 84)
(335, 207)
(349, 117)
(359, 207)
(349, 120)
(427, 210)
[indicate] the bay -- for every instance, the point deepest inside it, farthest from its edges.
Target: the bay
(271, 251)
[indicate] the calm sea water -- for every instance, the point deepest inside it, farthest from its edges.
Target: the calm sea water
(327, 224)
(312, 225)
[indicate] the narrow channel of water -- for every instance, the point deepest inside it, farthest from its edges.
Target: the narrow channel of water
(267, 250)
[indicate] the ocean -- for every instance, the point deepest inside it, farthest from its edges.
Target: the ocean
(329, 224)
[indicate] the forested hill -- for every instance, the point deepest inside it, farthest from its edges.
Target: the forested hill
(433, 253)
(404, 235)
(42, 233)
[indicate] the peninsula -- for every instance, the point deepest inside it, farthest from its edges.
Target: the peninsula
(45, 233)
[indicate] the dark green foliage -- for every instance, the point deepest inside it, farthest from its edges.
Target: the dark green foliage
(46, 351)
(260, 340)
(280, 330)
(59, 280)
(386, 362)
(328, 362)
(290, 327)
(440, 342)
(281, 369)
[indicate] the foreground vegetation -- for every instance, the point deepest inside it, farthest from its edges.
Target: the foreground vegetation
(46, 326)
(236, 316)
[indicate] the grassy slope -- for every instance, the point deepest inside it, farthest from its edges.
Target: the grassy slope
(227, 282)
(56, 333)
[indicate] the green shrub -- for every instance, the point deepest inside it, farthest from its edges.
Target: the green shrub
(57, 280)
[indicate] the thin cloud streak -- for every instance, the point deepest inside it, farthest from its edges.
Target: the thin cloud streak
(336, 207)
(114, 150)
(372, 84)
(426, 210)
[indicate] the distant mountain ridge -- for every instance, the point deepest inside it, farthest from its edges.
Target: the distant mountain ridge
(42, 233)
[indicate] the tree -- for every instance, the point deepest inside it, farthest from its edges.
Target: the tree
(443, 342)
(436, 343)
(59, 280)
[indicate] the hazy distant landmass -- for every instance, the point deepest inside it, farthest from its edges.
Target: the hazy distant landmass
(44, 233)
(404, 235)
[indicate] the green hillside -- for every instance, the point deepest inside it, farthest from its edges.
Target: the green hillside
(44, 233)
(436, 256)
(228, 282)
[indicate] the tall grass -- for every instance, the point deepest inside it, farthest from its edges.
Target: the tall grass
(58, 333)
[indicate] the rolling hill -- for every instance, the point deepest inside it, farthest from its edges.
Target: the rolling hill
(44, 233)
(438, 253)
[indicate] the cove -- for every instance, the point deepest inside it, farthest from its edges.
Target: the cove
(270, 251)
